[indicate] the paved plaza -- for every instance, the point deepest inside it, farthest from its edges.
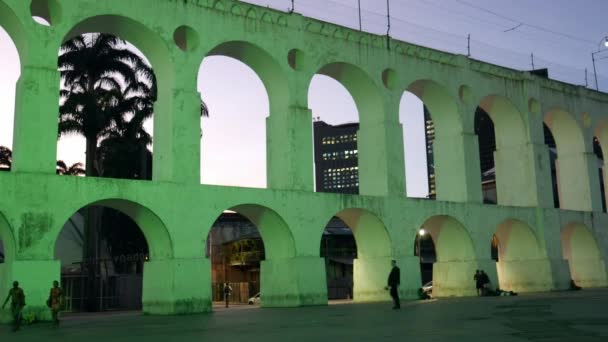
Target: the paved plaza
(556, 316)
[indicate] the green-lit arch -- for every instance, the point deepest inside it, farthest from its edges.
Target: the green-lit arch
(451, 239)
(156, 51)
(580, 248)
(361, 87)
(157, 236)
(522, 265)
(11, 24)
(264, 65)
(566, 131)
(278, 240)
(516, 241)
(508, 123)
(456, 260)
(442, 106)
(371, 236)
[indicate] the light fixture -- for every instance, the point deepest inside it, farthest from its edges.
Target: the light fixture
(422, 232)
(606, 41)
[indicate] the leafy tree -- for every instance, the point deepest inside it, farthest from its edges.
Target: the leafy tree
(76, 169)
(103, 84)
(6, 158)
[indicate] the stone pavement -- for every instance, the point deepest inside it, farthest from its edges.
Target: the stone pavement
(557, 316)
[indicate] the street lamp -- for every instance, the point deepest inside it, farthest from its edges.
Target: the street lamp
(421, 233)
(604, 42)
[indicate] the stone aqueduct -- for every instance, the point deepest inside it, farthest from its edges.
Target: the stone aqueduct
(541, 248)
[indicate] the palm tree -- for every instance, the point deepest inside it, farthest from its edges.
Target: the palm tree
(102, 84)
(77, 169)
(6, 158)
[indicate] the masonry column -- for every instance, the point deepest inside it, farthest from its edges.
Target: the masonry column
(381, 164)
(457, 173)
(295, 281)
(180, 285)
(177, 123)
(579, 187)
(36, 278)
(36, 117)
(289, 148)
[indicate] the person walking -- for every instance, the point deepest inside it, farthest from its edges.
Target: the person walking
(17, 297)
(478, 282)
(394, 279)
(227, 293)
(55, 301)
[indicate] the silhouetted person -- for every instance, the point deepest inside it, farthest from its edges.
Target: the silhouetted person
(478, 282)
(17, 298)
(485, 282)
(227, 292)
(394, 278)
(55, 301)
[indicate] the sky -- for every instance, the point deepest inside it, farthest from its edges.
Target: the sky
(560, 34)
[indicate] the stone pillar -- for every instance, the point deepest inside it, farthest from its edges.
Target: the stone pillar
(410, 276)
(381, 165)
(289, 149)
(560, 273)
(457, 173)
(527, 275)
(370, 276)
(454, 278)
(578, 182)
(517, 180)
(177, 286)
(177, 138)
(36, 117)
(36, 278)
(290, 282)
(588, 272)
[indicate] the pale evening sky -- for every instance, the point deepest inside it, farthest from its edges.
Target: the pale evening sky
(561, 34)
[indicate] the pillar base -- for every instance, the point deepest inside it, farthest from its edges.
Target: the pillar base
(588, 272)
(36, 279)
(177, 286)
(528, 275)
(454, 278)
(293, 282)
(370, 279)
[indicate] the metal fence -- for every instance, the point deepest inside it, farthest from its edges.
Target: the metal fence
(117, 292)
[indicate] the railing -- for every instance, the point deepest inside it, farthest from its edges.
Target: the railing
(117, 292)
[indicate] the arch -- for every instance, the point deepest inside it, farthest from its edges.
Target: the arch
(371, 236)
(362, 88)
(157, 52)
(373, 254)
(155, 231)
(566, 131)
(452, 241)
(508, 122)
(442, 106)
(573, 182)
(522, 265)
(580, 248)
(264, 65)
(13, 26)
(455, 254)
(278, 239)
